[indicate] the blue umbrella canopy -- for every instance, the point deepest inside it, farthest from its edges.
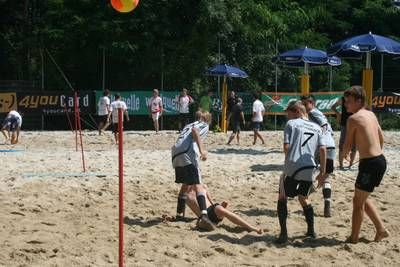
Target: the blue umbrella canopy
(353, 47)
(299, 57)
(226, 70)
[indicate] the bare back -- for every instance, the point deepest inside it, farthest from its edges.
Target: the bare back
(364, 131)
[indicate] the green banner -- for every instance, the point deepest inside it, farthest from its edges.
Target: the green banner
(276, 103)
(137, 101)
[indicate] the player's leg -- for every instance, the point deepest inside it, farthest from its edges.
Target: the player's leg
(359, 200)
(373, 214)
(327, 186)
(285, 184)
(304, 190)
(221, 212)
(181, 203)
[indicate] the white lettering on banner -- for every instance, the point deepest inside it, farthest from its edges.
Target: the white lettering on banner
(170, 104)
(70, 101)
(132, 102)
(325, 103)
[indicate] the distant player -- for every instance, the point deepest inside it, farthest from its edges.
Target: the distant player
(103, 111)
(236, 117)
(155, 109)
(315, 115)
(257, 118)
(115, 105)
(186, 155)
(184, 101)
(301, 140)
(364, 131)
(11, 126)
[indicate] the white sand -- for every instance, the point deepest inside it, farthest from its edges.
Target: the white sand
(67, 220)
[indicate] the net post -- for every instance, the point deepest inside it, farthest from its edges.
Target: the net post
(80, 136)
(76, 119)
(121, 186)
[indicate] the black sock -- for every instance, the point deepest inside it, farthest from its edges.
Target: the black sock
(327, 192)
(180, 207)
(282, 215)
(201, 200)
(309, 214)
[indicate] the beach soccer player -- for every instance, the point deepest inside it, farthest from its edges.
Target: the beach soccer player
(155, 109)
(364, 131)
(114, 106)
(216, 212)
(186, 154)
(11, 127)
(104, 111)
(315, 115)
(301, 140)
(184, 101)
(342, 117)
(257, 118)
(236, 115)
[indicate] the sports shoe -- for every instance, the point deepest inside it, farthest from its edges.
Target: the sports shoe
(205, 223)
(327, 209)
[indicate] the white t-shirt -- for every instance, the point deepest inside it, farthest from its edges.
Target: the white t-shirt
(155, 104)
(258, 108)
(184, 102)
(104, 101)
(15, 114)
(115, 105)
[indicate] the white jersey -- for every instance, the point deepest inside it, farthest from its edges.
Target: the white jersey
(155, 104)
(258, 108)
(14, 114)
(104, 102)
(315, 115)
(304, 138)
(115, 105)
(185, 151)
(184, 102)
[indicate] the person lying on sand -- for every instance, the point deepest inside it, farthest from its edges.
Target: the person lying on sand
(216, 212)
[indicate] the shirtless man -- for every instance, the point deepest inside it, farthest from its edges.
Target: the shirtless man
(364, 131)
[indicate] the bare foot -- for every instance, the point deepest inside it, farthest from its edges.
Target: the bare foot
(260, 231)
(168, 218)
(351, 240)
(224, 204)
(381, 235)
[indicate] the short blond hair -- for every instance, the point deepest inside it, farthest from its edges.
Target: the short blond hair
(203, 116)
(296, 105)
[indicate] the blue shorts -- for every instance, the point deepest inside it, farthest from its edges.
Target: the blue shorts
(257, 125)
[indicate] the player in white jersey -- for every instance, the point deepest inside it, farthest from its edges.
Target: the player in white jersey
(301, 140)
(12, 124)
(155, 108)
(319, 118)
(115, 105)
(103, 111)
(186, 154)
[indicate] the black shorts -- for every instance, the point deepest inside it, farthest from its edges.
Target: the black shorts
(10, 124)
(102, 118)
(236, 127)
(370, 173)
(212, 215)
(295, 187)
(115, 127)
(257, 125)
(188, 174)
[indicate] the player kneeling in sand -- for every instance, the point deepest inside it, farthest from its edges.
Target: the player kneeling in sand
(302, 138)
(12, 124)
(216, 212)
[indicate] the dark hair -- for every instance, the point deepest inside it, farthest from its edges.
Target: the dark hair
(256, 96)
(106, 92)
(308, 98)
(117, 96)
(357, 92)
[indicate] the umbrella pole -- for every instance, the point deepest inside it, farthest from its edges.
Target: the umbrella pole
(305, 81)
(368, 75)
(224, 100)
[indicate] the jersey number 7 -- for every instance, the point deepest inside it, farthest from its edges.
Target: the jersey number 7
(308, 138)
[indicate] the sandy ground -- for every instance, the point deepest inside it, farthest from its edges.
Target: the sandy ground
(54, 215)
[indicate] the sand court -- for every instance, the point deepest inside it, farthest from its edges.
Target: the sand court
(71, 219)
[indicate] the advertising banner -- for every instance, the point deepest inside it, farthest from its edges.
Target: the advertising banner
(8, 101)
(137, 101)
(54, 103)
(386, 102)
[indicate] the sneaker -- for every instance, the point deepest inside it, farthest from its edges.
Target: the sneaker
(205, 223)
(327, 209)
(282, 239)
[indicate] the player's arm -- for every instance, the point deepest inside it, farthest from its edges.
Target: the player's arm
(126, 113)
(161, 108)
(335, 106)
(381, 138)
(322, 168)
(242, 115)
(286, 148)
(197, 139)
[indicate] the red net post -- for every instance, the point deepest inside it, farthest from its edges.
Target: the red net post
(76, 119)
(121, 186)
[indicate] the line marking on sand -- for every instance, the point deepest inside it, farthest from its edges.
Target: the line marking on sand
(78, 174)
(10, 150)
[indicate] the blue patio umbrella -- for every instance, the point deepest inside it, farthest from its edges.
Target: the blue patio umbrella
(306, 57)
(355, 46)
(225, 71)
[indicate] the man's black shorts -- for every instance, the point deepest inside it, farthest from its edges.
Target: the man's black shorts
(212, 215)
(103, 119)
(295, 187)
(370, 173)
(188, 174)
(236, 127)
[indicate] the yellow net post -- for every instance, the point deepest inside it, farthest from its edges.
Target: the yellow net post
(305, 84)
(224, 106)
(367, 83)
